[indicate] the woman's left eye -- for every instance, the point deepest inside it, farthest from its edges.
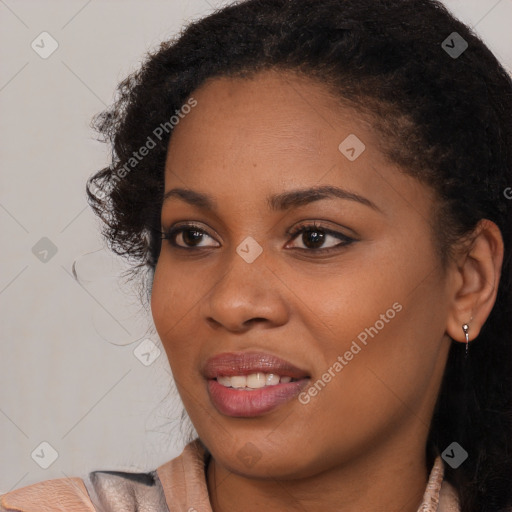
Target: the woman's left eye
(314, 238)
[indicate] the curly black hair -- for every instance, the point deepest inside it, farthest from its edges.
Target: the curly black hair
(444, 118)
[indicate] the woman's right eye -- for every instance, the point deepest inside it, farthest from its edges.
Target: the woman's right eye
(186, 236)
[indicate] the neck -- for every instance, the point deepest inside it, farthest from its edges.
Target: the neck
(377, 481)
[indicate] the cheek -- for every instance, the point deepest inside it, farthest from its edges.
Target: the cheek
(159, 299)
(167, 306)
(387, 315)
(174, 302)
(339, 303)
(173, 295)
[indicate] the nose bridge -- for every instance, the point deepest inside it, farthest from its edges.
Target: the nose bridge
(245, 290)
(242, 281)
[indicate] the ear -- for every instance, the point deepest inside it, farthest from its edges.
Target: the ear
(477, 276)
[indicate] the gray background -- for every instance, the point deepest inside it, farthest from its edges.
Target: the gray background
(69, 374)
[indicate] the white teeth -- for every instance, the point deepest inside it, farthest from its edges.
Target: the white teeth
(272, 379)
(256, 380)
(225, 381)
(238, 381)
(252, 381)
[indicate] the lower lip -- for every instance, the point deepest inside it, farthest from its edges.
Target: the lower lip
(243, 403)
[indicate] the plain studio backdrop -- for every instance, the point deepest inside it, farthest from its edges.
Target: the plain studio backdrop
(84, 381)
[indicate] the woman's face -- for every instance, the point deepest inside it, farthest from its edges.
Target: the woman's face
(343, 285)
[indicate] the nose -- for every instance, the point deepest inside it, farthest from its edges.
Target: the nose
(245, 296)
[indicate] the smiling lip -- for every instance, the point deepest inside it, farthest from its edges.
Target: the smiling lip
(249, 403)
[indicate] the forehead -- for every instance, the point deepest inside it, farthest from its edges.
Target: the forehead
(270, 116)
(273, 131)
(278, 111)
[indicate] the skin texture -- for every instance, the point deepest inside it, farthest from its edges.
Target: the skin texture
(359, 444)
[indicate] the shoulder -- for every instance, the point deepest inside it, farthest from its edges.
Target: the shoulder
(117, 491)
(59, 494)
(101, 490)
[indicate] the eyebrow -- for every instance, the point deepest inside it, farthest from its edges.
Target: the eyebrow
(278, 202)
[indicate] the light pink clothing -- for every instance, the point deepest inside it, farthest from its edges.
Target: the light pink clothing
(177, 486)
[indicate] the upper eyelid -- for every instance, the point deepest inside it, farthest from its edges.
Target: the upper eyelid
(177, 229)
(301, 225)
(298, 224)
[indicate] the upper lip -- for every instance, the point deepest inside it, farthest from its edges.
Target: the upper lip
(245, 363)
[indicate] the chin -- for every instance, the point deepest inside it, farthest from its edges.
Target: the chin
(254, 457)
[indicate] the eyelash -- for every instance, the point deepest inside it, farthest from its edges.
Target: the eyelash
(171, 234)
